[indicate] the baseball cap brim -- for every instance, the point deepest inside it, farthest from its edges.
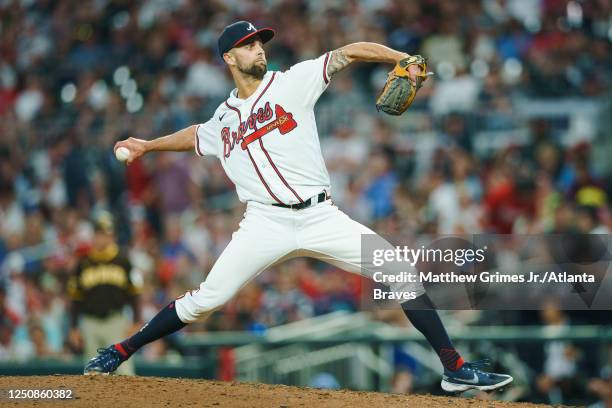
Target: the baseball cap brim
(266, 34)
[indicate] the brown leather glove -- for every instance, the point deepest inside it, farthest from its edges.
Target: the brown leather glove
(400, 89)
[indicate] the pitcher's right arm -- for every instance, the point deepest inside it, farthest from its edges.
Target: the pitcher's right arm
(183, 140)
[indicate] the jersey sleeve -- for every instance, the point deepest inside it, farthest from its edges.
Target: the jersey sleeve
(308, 79)
(206, 139)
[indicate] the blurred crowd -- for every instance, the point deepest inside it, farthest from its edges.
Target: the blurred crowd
(76, 76)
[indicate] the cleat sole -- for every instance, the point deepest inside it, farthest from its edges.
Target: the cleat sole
(458, 388)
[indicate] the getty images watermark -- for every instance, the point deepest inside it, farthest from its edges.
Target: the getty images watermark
(490, 271)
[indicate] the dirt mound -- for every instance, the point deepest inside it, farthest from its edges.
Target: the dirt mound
(152, 392)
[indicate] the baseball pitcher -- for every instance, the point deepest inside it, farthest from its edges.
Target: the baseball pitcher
(265, 136)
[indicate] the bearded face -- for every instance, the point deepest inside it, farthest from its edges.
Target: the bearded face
(249, 58)
(255, 69)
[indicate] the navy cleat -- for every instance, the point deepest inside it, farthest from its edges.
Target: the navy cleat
(107, 361)
(471, 377)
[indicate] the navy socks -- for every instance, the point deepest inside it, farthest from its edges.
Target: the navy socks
(425, 319)
(419, 311)
(163, 324)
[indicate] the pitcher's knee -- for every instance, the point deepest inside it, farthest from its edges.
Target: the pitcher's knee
(196, 305)
(415, 289)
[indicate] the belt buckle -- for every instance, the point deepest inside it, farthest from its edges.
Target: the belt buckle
(303, 205)
(312, 201)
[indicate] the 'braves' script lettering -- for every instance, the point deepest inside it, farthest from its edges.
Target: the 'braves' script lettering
(284, 122)
(231, 138)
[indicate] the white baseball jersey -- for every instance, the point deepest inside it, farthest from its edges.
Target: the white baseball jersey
(269, 147)
(268, 143)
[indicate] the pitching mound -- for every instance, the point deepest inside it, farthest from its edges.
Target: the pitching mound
(152, 392)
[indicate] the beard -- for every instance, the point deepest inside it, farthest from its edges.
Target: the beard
(256, 70)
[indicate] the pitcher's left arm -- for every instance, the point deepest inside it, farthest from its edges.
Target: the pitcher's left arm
(362, 51)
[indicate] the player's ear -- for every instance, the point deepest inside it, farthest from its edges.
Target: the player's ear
(229, 58)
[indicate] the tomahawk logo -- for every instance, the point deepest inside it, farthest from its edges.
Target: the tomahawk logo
(284, 122)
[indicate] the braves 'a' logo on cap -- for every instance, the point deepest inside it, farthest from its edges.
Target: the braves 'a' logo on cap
(251, 27)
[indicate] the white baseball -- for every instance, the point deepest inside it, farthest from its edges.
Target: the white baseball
(122, 153)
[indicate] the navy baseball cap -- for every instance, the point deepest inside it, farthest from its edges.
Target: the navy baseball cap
(239, 31)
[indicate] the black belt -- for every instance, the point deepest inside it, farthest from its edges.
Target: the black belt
(308, 203)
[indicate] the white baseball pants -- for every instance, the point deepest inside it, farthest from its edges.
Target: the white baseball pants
(269, 235)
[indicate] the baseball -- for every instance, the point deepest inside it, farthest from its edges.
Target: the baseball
(122, 153)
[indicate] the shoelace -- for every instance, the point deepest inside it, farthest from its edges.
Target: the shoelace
(109, 363)
(479, 364)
